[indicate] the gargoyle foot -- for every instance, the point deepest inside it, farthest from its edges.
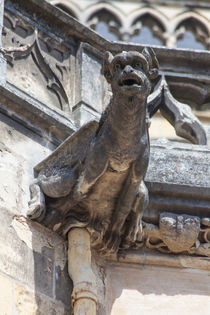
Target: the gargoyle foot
(111, 242)
(134, 228)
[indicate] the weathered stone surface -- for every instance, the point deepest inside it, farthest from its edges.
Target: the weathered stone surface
(63, 285)
(178, 179)
(172, 292)
(147, 257)
(36, 60)
(28, 253)
(180, 66)
(20, 150)
(2, 70)
(186, 164)
(29, 302)
(11, 173)
(177, 233)
(1, 20)
(32, 255)
(7, 295)
(14, 253)
(22, 244)
(90, 85)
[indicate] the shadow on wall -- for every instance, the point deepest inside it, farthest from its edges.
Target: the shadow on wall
(53, 287)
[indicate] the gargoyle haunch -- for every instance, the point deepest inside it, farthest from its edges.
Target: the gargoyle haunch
(95, 178)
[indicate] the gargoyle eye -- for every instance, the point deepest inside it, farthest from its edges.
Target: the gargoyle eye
(117, 66)
(138, 65)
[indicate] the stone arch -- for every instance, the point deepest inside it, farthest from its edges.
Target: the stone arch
(108, 7)
(105, 21)
(152, 23)
(154, 13)
(72, 9)
(189, 24)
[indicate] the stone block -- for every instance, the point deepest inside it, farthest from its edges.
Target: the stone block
(10, 173)
(179, 163)
(83, 114)
(44, 271)
(91, 89)
(63, 285)
(132, 290)
(90, 79)
(29, 254)
(178, 179)
(3, 65)
(30, 303)
(6, 295)
(20, 261)
(20, 150)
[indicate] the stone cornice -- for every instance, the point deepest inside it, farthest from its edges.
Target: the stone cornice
(146, 257)
(49, 123)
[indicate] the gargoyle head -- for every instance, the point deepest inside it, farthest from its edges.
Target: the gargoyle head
(129, 73)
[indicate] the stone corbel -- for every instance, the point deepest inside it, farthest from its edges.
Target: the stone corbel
(84, 296)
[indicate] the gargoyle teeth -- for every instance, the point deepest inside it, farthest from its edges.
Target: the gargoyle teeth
(129, 82)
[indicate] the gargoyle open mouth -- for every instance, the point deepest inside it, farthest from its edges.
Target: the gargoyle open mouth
(130, 82)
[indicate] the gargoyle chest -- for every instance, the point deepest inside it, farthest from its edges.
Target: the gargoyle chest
(104, 194)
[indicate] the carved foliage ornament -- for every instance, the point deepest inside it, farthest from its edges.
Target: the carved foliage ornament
(95, 178)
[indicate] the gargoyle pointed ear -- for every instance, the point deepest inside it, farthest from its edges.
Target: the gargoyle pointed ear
(152, 61)
(106, 66)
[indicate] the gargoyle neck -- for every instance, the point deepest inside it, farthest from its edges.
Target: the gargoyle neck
(129, 107)
(128, 116)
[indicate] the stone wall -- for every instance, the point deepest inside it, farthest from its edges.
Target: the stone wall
(33, 265)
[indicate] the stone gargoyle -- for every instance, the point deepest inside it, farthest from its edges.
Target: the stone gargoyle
(95, 178)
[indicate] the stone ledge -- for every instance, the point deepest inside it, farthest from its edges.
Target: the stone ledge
(50, 123)
(146, 257)
(178, 179)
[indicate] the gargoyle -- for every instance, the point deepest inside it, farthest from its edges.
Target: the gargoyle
(96, 177)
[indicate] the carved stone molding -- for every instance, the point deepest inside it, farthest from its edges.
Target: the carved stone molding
(33, 57)
(177, 233)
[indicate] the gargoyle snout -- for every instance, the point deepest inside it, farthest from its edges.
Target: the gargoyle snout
(128, 69)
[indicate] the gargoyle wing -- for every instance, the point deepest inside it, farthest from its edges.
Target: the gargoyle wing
(72, 150)
(69, 155)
